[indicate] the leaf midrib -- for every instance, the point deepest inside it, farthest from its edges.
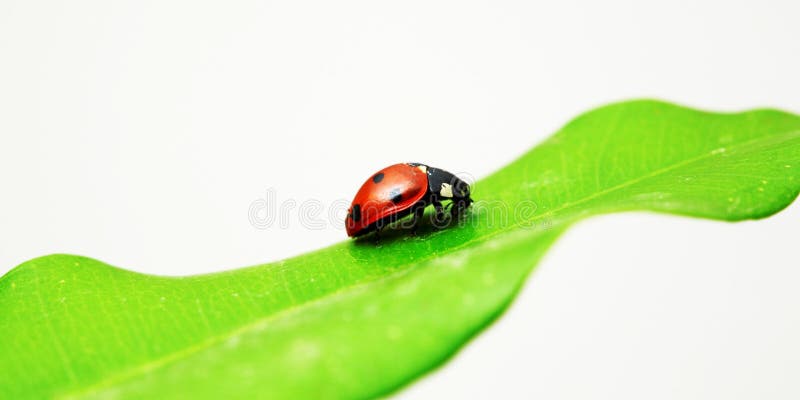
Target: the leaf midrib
(334, 295)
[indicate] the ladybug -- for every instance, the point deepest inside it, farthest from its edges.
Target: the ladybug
(404, 189)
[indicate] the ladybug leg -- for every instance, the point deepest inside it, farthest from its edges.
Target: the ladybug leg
(464, 205)
(455, 208)
(439, 211)
(415, 221)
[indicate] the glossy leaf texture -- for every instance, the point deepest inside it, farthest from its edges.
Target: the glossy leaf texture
(356, 319)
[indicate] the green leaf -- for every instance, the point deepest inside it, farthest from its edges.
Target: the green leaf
(360, 320)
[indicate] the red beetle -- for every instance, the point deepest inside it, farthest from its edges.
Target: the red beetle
(403, 189)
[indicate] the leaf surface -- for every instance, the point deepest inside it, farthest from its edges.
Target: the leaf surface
(357, 319)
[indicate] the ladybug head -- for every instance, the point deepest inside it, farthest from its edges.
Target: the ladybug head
(461, 189)
(447, 185)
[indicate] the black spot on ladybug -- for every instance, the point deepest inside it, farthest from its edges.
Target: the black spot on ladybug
(396, 196)
(378, 177)
(356, 215)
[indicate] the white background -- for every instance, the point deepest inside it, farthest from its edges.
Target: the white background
(140, 133)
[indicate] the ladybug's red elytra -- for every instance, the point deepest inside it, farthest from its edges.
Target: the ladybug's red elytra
(403, 189)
